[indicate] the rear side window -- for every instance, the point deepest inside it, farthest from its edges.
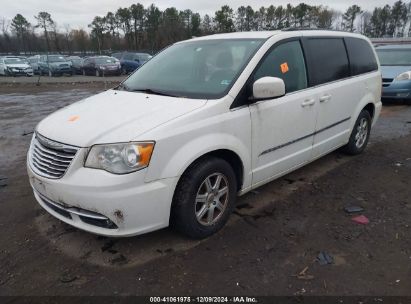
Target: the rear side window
(362, 58)
(327, 60)
(285, 61)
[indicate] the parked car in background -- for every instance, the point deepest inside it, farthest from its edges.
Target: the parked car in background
(34, 63)
(395, 63)
(76, 64)
(14, 66)
(101, 66)
(131, 61)
(177, 142)
(54, 65)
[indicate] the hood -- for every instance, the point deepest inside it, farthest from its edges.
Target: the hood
(113, 116)
(393, 71)
(18, 65)
(60, 63)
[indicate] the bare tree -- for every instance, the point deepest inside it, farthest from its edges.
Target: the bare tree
(45, 22)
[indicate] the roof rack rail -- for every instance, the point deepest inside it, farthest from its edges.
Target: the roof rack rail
(292, 29)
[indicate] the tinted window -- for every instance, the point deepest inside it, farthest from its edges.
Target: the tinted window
(144, 57)
(13, 61)
(128, 57)
(117, 55)
(57, 59)
(327, 60)
(362, 58)
(285, 61)
(105, 60)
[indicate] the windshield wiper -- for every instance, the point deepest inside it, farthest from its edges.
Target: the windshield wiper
(122, 87)
(155, 92)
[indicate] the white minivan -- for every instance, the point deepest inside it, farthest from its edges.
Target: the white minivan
(202, 122)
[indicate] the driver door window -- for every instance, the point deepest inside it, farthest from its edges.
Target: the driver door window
(285, 61)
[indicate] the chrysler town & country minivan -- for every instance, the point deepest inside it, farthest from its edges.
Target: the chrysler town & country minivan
(202, 122)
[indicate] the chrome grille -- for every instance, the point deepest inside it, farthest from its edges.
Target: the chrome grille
(49, 158)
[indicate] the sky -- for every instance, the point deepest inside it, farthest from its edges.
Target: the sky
(80, 13)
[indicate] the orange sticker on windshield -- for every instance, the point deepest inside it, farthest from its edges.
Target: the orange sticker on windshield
(284, 67)
(73, 118)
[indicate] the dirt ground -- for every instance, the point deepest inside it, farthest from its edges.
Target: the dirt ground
(275, 234)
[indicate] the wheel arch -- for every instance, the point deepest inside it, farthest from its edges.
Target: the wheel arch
(370, 107)
(232, 158)
(367, 103)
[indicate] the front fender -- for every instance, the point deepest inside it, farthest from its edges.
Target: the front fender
(187, 152)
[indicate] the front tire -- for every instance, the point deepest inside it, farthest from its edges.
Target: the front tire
(204, 198)
(359, 135)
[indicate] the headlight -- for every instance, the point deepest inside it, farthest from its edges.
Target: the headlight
(102, 67)
(404, 76)
(120, 158)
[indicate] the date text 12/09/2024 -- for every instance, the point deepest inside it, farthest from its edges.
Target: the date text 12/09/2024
(203, 300)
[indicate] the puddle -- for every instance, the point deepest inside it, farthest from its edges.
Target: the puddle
(19, 115)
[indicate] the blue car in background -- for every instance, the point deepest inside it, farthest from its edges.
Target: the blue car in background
(130, 61)
(395, 63)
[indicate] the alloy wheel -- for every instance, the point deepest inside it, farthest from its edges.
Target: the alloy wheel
(212, 199)
(362, 133)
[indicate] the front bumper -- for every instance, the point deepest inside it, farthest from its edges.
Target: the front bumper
(62, 71)
(397, 90)
(21, 72)
(110, 71)
(127, 201)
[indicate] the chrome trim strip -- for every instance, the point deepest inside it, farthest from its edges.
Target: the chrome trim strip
(304, 137)
(73, 210)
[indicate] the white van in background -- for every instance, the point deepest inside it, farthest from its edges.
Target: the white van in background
(202, 122)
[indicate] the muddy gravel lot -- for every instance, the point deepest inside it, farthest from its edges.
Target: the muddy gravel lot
(269, 246)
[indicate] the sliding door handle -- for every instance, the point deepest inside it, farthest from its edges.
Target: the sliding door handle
(308, 102)
(325, 98)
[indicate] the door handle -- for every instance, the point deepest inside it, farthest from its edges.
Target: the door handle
(308, 102)
(325, 98)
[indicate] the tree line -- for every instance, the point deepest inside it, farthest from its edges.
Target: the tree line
(151, 29)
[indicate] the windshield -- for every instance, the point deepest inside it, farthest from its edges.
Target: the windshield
(198, 69)
(144, 57)
(14, 61)
(394, 56)
(105, 60)
(57, 59)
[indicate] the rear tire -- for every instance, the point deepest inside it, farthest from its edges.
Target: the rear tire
(204, 198)
(359, 135)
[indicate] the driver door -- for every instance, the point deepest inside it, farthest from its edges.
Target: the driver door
(283, 128)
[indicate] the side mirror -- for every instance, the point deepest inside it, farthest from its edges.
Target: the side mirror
(268, 87)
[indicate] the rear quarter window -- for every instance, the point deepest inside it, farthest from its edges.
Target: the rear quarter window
(362, 57)
(327, 60)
